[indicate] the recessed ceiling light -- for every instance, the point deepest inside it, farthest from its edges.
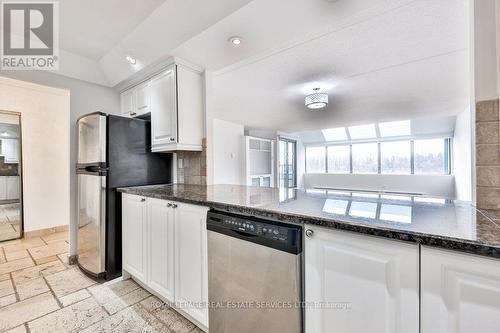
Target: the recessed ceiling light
(131, 59)
(317, 100)
(235, 40)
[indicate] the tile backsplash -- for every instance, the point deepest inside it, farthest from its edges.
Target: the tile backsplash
(488, 154)
(192, 166)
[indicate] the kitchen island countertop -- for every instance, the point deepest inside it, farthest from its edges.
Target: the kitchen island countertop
(428, 221)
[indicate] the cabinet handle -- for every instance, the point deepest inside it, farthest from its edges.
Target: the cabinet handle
(169, 204)
(143, 199)
(142, 107)
(133, 113)
(172, 139)
(309, 233)
(174, 205)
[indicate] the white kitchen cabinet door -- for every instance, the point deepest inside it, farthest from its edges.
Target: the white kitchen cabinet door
(161, 248)
(142, 99)
(163, 109)
(3, 187)
(134, 231)
(12, 187)
(10, 150)
(128, 102)
(191, 274)
(360, 283)
(460, 292)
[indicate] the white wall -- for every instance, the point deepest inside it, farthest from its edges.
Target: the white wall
(431, 185)
(85, 98)
(45, 122)
(462, 157)
(228, 147)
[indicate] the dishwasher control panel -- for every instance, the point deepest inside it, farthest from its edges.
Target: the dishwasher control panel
(256, 229)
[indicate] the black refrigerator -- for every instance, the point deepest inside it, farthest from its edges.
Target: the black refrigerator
(113, 152)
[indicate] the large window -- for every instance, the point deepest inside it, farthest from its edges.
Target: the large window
(339, 160)
(365, 158)
(431, 156)
(315, 159)
(421, 156)
(395, 157)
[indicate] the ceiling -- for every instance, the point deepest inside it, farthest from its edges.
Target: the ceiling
(91, 28)
(395, 60)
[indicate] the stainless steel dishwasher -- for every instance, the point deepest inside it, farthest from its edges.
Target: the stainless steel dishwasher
(254, 275)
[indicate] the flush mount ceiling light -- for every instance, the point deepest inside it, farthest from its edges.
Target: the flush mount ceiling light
(235, 40)
(317, 100)
(131, 59)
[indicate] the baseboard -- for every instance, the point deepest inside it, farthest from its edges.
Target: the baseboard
(45, 232)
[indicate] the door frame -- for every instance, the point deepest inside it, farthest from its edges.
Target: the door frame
(294, 142)
(21, 173)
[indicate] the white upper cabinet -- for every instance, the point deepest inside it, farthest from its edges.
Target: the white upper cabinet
(460, 292)
(10, 150)
(174, 97)
(128, 103)
(360, 283)
(163, 110)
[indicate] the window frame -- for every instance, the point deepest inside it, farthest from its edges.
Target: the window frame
(447, 165)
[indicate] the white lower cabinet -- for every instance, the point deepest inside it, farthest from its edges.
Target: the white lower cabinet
(191, 272)
(164, 247)
(161, 248)
(134, 240)
(358, 284)
(460, 292)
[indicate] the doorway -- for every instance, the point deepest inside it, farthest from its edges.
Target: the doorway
(11, 217)
(287, 162)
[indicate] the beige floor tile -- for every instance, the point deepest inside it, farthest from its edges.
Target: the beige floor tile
(167, 315)
(7, 300)
(16, 265)
(68, 281)
(121, 302)
(22, 244)
(46, 259)
(134, 319)
(62, 235)
(74, 297)
(69, 319)
(15, 314)
(31, 288)
(18, 329)
(37, 271)
(4, 277)
(2, 257)
(6, 288)
(14, 255)
(49, 250)
(64, 258)
(107, 291)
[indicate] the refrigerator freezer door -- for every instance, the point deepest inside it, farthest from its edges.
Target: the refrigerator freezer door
(92, 139)
(91, 222)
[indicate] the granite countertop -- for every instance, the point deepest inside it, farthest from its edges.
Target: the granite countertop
(425, 220)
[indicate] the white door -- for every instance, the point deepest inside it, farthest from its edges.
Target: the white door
(3, 187)
(142, 99)
(128, 102)
(191, 280)
(12, 187)
(161, 248)
(360, 284)
(460, 292)
(163, 108)
(134, 219)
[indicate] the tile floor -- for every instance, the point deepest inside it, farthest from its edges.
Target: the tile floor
(40, 292)
(9, 221)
